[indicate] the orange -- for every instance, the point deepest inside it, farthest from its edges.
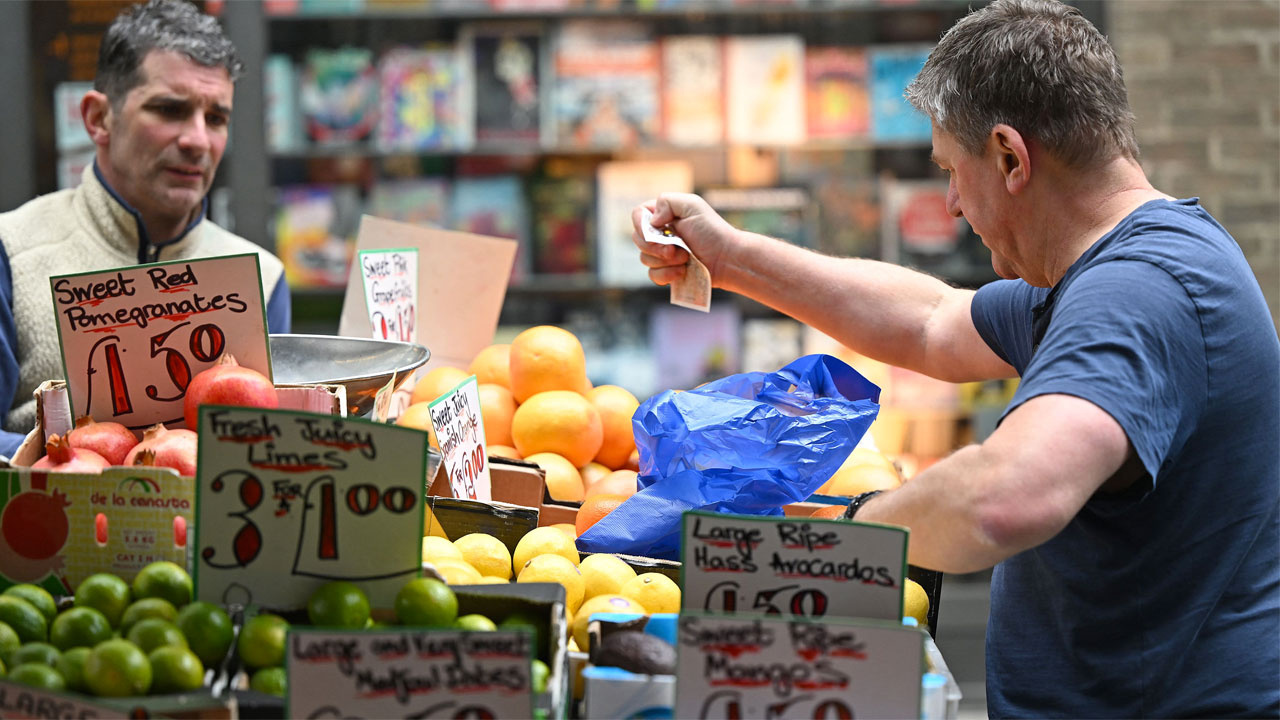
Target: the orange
(567, 529)
(618, 482)
(418, 416)
(834, 512)
(493, 365)
(616, 405)
(437, 382)
(558, 421)
(596, 507)
(504, 451)
(547, 358)
(563, 481)
(592, 472)
(497, 406)
(633, 460)
(856, 479)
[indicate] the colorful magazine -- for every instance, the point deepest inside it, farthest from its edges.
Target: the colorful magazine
(837, 106)
(764, 80)
(493, 206)
(339, 95)
(693, 90)
(507, 75)
(314, 229)
(892, 117)
(563, 210)
(621, 186)
(422, 201)
(419, 99)
(606, 84)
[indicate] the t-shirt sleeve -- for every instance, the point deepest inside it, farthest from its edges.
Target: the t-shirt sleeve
(9, 441)
(1126, 337)
(1001, 312)
(280, 308)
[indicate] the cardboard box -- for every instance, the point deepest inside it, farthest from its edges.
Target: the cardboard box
(20, 701)
(504, 521)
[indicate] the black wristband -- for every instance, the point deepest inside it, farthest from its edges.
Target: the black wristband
(857, 502)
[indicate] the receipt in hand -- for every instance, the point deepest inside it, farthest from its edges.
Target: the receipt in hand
(694, 289)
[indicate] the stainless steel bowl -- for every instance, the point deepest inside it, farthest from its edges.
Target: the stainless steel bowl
(363, 366)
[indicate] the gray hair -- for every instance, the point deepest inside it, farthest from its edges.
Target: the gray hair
(1038, 66)
(173, 25)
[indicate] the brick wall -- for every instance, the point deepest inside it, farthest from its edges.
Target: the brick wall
(1204, 82)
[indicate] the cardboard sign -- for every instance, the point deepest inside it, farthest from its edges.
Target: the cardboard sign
(409, 673)
(21, 701)
(462, 281)
(459, 428)
(56, 529)
(287, 500)
(391, 292)
(732, 667)
(792, 566)
(132, 338)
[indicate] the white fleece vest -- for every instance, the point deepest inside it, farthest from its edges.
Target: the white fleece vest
(82, 230)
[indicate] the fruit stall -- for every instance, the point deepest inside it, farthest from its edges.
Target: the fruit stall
(409, 520)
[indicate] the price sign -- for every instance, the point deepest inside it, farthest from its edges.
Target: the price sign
(792, 566)
(391, 292)
(21, 701)
(460, 431)
(132, 338)
(288, 500)
(409, 673)
(733, 667)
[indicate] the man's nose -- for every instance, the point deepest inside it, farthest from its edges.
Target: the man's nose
(953, 200)
(195, 137)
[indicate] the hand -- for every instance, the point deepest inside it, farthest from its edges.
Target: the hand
(705, 232)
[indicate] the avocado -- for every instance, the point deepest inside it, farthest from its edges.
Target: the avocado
(636, 652)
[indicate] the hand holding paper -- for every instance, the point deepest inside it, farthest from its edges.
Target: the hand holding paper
(693, 290)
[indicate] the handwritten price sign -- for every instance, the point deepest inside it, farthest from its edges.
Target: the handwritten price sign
(776, 668)
(418, 674)
(132, 338)
(286, 501)
(791, 566)
(391, 292)
(460, 431)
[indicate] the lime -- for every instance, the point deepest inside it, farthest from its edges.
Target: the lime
(538, 676)
(106, 593)
(474, 622)
(36, 652)
(175, 669)
(261, 641)
(272, 681)
(79, 627)
(71, 668)
(9, 641)
(338, 604)
(117, 668)
(2, 670)
(165, 580)
(486, 553)
(146, 608)
(153, 633)
(536, 627)
(427, 602)
(24, 618)
(38, 675)
(37, 596)
(208, 630)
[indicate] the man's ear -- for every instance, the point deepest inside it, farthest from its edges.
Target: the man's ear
(95, 110)
(1012, 157)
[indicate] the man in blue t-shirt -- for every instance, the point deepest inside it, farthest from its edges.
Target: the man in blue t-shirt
(1129, 500)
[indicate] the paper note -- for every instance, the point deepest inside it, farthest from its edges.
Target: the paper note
(391, 292)
(459, 428)
(692, 291)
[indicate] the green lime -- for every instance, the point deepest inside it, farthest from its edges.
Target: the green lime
(536, 627)
(538, 676)
(338, 604)
(71, 668)
(38, 675)
(105, 593)
(272, 681)
(152, 607)
(117, 668)
(9, 641)
(261, 641)
(79, 627)
(474, 622)
(36, 652)
(25, 619)
(152, 633)
(208, 630)
(165, 580)
(2, 670)
(427, 602)
(175, 669)
(37, 596)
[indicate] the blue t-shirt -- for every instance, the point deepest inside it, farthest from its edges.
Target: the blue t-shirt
(1162, 600)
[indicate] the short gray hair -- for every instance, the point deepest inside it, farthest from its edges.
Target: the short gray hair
(174, 25)
(1038, 66)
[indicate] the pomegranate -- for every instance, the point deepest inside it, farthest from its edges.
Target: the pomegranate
(60, 456)
(111, 440)
(171, 448)
(227, 383)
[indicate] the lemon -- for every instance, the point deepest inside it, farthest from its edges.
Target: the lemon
(610, 603)
(485, 553)
(915, 602)
(543, 541)
(604, 574)
(457, 572)
(557, 569)
(491, 580)
(438, 548)
(655, 591)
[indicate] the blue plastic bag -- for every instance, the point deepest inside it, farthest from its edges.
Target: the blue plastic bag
(745, 444)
